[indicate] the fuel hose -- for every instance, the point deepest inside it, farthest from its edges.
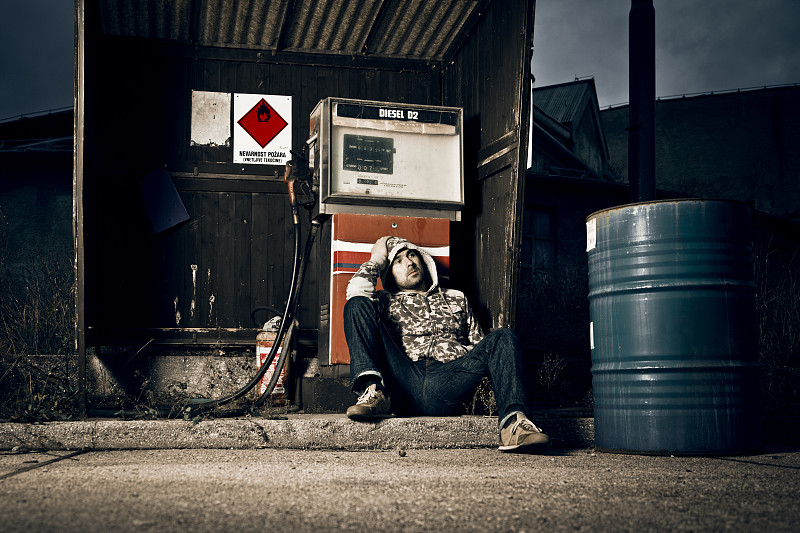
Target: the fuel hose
(287, 325)
(316, 223)
(285, 330)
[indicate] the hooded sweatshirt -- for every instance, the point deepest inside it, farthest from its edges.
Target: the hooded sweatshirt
(437, 324)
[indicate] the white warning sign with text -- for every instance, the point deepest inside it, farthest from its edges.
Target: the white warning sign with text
(262, 129)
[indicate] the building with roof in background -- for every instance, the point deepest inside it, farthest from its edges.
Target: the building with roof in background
(36, 189)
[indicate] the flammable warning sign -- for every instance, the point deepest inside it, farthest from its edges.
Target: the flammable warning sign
(263, 129)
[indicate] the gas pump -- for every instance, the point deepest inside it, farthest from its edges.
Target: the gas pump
(380, 169)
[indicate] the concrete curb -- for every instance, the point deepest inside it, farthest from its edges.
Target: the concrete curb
(295, 432)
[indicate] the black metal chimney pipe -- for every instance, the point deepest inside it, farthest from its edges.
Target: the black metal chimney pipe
(642, 96)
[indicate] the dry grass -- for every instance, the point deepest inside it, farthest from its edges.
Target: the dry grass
(37, 337)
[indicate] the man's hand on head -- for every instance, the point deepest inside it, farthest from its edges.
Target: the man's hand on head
(380, 254)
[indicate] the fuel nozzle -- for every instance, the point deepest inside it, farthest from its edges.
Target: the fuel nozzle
(289, 177)
(299, 181)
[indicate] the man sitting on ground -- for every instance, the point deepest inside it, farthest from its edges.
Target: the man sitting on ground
(422, 346)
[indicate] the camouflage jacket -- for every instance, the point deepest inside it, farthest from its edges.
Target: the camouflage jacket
(438, 324)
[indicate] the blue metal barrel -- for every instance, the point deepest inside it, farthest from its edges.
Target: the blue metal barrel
(673, 328)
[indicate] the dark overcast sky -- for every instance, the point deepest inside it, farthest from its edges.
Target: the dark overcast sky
(36, 62)
(701, 46)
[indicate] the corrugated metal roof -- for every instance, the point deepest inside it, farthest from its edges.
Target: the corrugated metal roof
(565, 102)
(409, 29)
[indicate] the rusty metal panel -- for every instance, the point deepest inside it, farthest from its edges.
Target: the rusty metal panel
(421, 29)
(256, 23)
(147, 18)
(351, 237)
(408, 29)
(339, 27)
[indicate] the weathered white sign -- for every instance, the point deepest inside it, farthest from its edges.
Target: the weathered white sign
(211, 119)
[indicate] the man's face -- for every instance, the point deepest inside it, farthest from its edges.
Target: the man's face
(408, 271)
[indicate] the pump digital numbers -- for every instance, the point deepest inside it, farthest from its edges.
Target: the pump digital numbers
(368, 154)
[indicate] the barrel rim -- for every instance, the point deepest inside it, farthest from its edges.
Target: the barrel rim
(668, 201)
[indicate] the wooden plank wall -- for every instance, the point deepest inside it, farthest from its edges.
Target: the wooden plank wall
(235, 251)
(495, 104)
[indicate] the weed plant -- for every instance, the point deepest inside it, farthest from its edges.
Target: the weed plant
(37, 332)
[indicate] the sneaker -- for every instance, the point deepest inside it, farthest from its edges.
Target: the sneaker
(372, 404)
(523, 436)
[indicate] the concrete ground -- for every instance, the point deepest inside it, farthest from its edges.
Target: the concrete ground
(478, 489)
(323, 472)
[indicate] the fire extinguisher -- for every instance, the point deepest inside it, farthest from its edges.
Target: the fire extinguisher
(264, 342)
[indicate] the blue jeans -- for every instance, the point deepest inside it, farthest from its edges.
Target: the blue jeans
(428, 387)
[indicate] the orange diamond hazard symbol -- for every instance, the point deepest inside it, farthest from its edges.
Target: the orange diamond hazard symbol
(263, 123)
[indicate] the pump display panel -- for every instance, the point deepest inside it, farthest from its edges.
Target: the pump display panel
(373, 156)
